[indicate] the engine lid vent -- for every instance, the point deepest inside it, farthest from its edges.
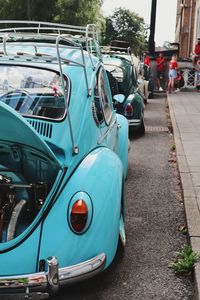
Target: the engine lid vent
(42, 128)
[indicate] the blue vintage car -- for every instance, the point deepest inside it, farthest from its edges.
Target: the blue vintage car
(63, 159)
(123, 80)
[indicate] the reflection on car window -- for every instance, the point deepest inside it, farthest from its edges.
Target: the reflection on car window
(119, 76)
(117, 72)
(97, 104)
(105, 96)
(102, 98)
(113, 84)
(32, 91)
(134, 76)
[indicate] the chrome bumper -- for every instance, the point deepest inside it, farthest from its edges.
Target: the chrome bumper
(42, 284)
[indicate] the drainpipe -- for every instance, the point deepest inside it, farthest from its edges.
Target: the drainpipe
(151, 44)
(181, 20)
(190, 25)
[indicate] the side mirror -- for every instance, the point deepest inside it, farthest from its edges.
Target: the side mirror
(119, 98)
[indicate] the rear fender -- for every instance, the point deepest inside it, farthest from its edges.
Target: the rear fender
(123, 141)
(99, 177)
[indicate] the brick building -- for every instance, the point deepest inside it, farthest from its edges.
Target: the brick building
(187, 26)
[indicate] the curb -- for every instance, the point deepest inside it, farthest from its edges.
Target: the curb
(189, 197)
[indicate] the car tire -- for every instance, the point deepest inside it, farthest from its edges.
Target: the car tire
(150, 95)
(142, 127)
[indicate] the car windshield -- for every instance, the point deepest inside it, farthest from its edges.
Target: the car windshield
(32, 91)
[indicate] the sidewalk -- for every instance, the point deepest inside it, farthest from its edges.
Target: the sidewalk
(185, 115)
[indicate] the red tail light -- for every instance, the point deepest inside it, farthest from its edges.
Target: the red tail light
(79, 215)
(128, 109)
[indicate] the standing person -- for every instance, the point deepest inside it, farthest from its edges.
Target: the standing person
(160, 67)
(172, 73)
(146, 66)
(146, 59)
(198, 76)
(179, 81)
(196, 54)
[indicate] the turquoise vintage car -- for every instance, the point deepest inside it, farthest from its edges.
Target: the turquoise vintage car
(63, 159)
(123, 80)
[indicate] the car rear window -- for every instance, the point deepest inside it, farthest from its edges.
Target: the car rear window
(116, 71)
(32, 91)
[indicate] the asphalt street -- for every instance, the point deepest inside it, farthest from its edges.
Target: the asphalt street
(154, 211)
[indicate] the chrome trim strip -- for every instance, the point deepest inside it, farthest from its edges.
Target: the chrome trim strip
(83, 270)
(134, 122)
(48, 282)
(110, 128)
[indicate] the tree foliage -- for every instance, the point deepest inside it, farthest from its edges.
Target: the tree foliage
(27, 9)
(74, 12)
(78, 12)
(123, 24)
(126, 26)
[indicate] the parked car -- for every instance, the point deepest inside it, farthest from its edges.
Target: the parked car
(123, 80)
(145, 81)
(63, 159)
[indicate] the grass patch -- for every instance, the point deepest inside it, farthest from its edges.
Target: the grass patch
(184, 261)
(173, 147)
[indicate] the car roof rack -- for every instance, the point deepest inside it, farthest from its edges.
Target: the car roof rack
(38, 34)
(32, 33)
(117, 50)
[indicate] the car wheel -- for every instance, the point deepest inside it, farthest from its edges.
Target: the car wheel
(150, 95)
(145, 94)
(142, 127)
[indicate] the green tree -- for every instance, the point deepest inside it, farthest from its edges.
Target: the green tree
(12, 10)
(78, 12)
(126, 26)
(110, 32)
(41, 10)
(74, 12)
(27, 9)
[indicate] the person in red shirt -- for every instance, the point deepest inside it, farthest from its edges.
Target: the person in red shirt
(146, 66)
(146, 59)
(196, 54)
(160, 67)
(172, 73)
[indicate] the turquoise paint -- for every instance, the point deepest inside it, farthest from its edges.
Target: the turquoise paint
(104, 173)
(97, 173)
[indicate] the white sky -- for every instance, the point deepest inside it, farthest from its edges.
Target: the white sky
(165, 16)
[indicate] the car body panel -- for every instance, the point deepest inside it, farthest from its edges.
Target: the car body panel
(103, 209)
(27, 135)
(21, 259)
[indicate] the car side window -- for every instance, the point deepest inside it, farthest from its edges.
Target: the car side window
(102, 98)
(105, 96)
(98, 111)
(113, 83)
(134, 76)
